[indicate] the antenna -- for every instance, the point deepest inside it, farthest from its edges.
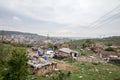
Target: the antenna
(48, 36)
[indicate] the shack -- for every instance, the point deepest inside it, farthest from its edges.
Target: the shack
(40, 66)
(108, 54)
(67, 53)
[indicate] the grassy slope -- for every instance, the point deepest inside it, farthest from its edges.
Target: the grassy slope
(89, 71)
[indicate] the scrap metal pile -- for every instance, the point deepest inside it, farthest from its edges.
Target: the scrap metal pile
(38, 62)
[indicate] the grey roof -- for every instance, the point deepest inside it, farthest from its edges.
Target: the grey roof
(38, 63)
(66, 50)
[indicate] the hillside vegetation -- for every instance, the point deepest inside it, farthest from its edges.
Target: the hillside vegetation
(115, 40)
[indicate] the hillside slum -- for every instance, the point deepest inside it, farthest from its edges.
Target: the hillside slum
(45, 61)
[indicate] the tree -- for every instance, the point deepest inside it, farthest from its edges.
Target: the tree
(109, 44)
(4, 55)
(17, 65)
(4, 52)
(50, 45)
(87, 43)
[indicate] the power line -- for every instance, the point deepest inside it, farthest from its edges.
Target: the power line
(108, 19)
(103, 17)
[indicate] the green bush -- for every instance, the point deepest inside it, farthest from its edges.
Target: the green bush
(17, 67)
(109, 49)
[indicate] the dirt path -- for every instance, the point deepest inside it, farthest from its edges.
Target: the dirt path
(63, 65)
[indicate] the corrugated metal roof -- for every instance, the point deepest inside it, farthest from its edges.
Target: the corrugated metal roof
(38, 62)
(66, 50)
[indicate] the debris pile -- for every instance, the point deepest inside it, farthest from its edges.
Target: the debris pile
(38, 62)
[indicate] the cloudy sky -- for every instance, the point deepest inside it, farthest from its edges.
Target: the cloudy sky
(69, 18)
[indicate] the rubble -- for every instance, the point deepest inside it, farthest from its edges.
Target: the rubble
(38, 62)
(41, 66)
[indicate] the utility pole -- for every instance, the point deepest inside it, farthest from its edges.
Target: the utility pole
(47, 38)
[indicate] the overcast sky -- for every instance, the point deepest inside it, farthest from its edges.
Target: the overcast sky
(69, 18)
